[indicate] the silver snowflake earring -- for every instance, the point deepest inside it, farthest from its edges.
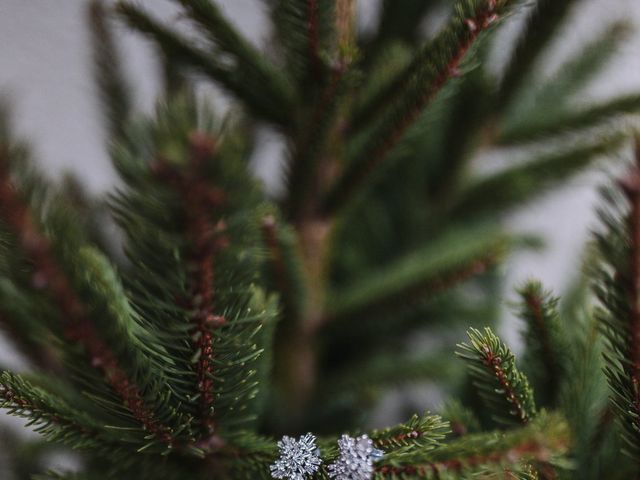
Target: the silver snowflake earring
(298, 458)
(356, 459)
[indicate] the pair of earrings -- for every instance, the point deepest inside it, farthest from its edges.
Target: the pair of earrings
(301, 458)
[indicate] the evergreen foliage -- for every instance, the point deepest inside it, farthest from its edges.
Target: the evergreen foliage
(504, 389)
(226, 317)
(546, 354)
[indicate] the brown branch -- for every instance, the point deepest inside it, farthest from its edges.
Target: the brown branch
(77, 325)
(206, 237)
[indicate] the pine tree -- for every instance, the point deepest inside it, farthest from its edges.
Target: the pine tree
(230, 333)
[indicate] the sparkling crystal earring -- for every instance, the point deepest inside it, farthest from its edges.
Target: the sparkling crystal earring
(356, 459)
(298, 458)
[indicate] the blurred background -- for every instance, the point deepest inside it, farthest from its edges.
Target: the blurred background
(45, 71)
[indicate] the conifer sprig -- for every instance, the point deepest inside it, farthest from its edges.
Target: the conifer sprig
(191, 214)
(545, 356)
(618, 289)
(550, 102)
(248, 62)
(114, 89)
(310, 166)
(504, 389)
(77, 325)
(543, 441)
(430, 70)
(267, 98)
(206, 238)
(509, 187)
(424, 432)
(539, 31)
(285, 265)
(420, 274)
(53, 417)
(304, 29)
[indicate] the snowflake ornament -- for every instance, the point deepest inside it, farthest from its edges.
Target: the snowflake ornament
(298, 458)
(356, 459)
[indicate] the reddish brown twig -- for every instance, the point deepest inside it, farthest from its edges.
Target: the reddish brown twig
(206, 237)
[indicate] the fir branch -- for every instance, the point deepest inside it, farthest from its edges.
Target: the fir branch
(417, 86)
(545, 354)
(40, 358)
(550, 105)
(310, 169)
(504, 389)
(597, 442)
(595, 55)
(78, 327)
(250, 63)
(618, 290)
(423, 433)
(200, 201)
(513, 186)
(395, 88)
(303, 29)
(53, 418)
(438, 267)
(108, 70)
(286, 266)
(182, 189)
(273, 106)
(386, 370)
(29, 337)
(399, 19)
(468, 111)
(462, 420)
(539, 31)
(586, 117)
(544, 440)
